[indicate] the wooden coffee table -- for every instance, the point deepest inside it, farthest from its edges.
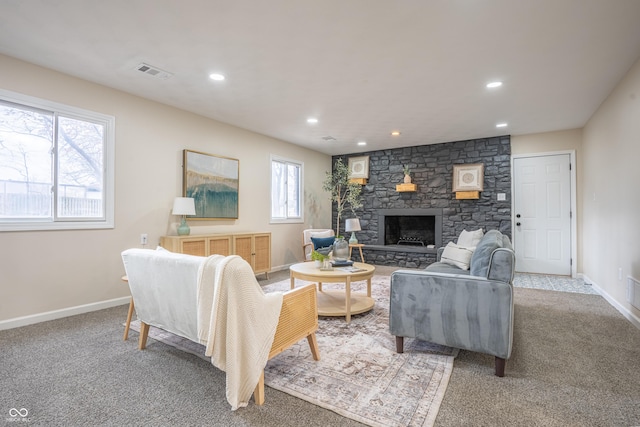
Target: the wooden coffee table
(337, 303)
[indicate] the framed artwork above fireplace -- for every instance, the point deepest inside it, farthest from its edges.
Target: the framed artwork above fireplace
(359, 167)
(468, 177)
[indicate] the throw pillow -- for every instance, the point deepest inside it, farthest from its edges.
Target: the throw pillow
(456, 255)
(322, 242)
(470, 239)
(482, 255)
(326, 233)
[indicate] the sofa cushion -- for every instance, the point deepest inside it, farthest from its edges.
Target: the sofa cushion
(491, 241)
(458, 256)
(470, 239)
(441, 267)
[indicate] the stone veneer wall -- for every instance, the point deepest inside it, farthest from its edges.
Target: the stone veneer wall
(432, 171)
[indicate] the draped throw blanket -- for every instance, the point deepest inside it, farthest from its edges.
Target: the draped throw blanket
(237, 322)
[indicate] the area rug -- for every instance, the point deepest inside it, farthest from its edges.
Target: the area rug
(359, 376)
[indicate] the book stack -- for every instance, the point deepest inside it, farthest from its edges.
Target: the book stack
(345, 263)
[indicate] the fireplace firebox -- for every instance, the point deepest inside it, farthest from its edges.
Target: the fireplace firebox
(410, 230)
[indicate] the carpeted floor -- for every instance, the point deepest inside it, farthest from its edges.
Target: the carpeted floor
(576, 362)
(359, 374)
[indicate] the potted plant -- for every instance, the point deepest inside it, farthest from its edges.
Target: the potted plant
(343, 192)
(318, 258)
(407, 174)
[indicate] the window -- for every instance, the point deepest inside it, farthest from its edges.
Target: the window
(286, 190)
(56, 165)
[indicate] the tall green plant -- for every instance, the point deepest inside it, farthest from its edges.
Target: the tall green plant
(343, 192)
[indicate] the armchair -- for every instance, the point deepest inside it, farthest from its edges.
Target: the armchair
(175, 292)
(467, 309)
(307, 244)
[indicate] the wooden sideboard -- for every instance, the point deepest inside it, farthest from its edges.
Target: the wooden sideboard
(255, 248)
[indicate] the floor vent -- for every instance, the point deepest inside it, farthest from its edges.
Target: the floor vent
(153, 71)
(633, 292)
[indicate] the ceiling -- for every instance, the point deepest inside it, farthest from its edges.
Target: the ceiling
(363, 68)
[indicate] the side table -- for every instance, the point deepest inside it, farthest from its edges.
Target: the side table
(359, 246)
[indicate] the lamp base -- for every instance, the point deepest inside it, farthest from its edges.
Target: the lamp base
(353, 239)
(183, 229)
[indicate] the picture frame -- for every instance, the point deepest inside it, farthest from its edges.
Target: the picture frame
(359, 167)
(213, 182)
(468, 177)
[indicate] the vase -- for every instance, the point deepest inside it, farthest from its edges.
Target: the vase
(407, 179)
(340, 249)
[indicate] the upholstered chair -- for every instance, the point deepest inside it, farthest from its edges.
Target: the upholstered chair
(316, 233)
(470, 309)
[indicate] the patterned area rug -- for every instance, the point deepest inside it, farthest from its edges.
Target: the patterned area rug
(359, 375)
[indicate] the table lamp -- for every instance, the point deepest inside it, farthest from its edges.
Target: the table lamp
(184, 206)
(352, 225)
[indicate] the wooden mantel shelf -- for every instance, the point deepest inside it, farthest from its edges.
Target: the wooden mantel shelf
(406, 187)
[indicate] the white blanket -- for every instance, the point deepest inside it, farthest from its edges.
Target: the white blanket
(237, 322)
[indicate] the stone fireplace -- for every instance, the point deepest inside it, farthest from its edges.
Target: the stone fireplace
(399, 228)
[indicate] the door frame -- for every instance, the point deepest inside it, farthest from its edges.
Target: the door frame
(572, 191)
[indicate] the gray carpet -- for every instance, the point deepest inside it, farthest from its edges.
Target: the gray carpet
(576, 361)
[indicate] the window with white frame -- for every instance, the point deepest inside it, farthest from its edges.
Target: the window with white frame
(56, 165)
(286, 190)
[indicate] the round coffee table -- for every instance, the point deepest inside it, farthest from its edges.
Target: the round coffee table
(337, 303)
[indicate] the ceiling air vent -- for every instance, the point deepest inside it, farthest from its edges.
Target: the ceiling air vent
(153, 71)
(329, 138)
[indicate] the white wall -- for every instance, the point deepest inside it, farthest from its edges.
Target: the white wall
(611, 196)
(548, 142)
(46, 271)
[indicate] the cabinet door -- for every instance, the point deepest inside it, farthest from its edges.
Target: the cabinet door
(220, 245)
(262, 253)
(194, 247)
(242, 247)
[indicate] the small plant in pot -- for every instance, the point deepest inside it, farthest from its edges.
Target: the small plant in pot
(407, 174)
(318, 257)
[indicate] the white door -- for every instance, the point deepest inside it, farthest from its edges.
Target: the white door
(542, 214)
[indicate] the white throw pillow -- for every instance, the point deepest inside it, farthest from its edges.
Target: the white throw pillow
(470, 239)
(457, 255)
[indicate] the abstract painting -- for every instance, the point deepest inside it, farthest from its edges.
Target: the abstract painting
(213, 182)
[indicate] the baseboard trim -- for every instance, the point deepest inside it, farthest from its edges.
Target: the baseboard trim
(59, 314)
(281, 267)
(623, 310)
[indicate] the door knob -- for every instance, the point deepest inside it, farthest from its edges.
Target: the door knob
(518, 224)
(517, 215)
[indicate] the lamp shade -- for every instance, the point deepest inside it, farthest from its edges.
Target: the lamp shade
(352, 224)
(184, 206)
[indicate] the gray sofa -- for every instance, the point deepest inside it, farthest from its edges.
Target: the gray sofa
(467, 309)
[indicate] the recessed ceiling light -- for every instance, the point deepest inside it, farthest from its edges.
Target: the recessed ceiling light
(501, 125)
(494, 84)
(312, 120)
(216, 77)
(362, 143)
(395, 133)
